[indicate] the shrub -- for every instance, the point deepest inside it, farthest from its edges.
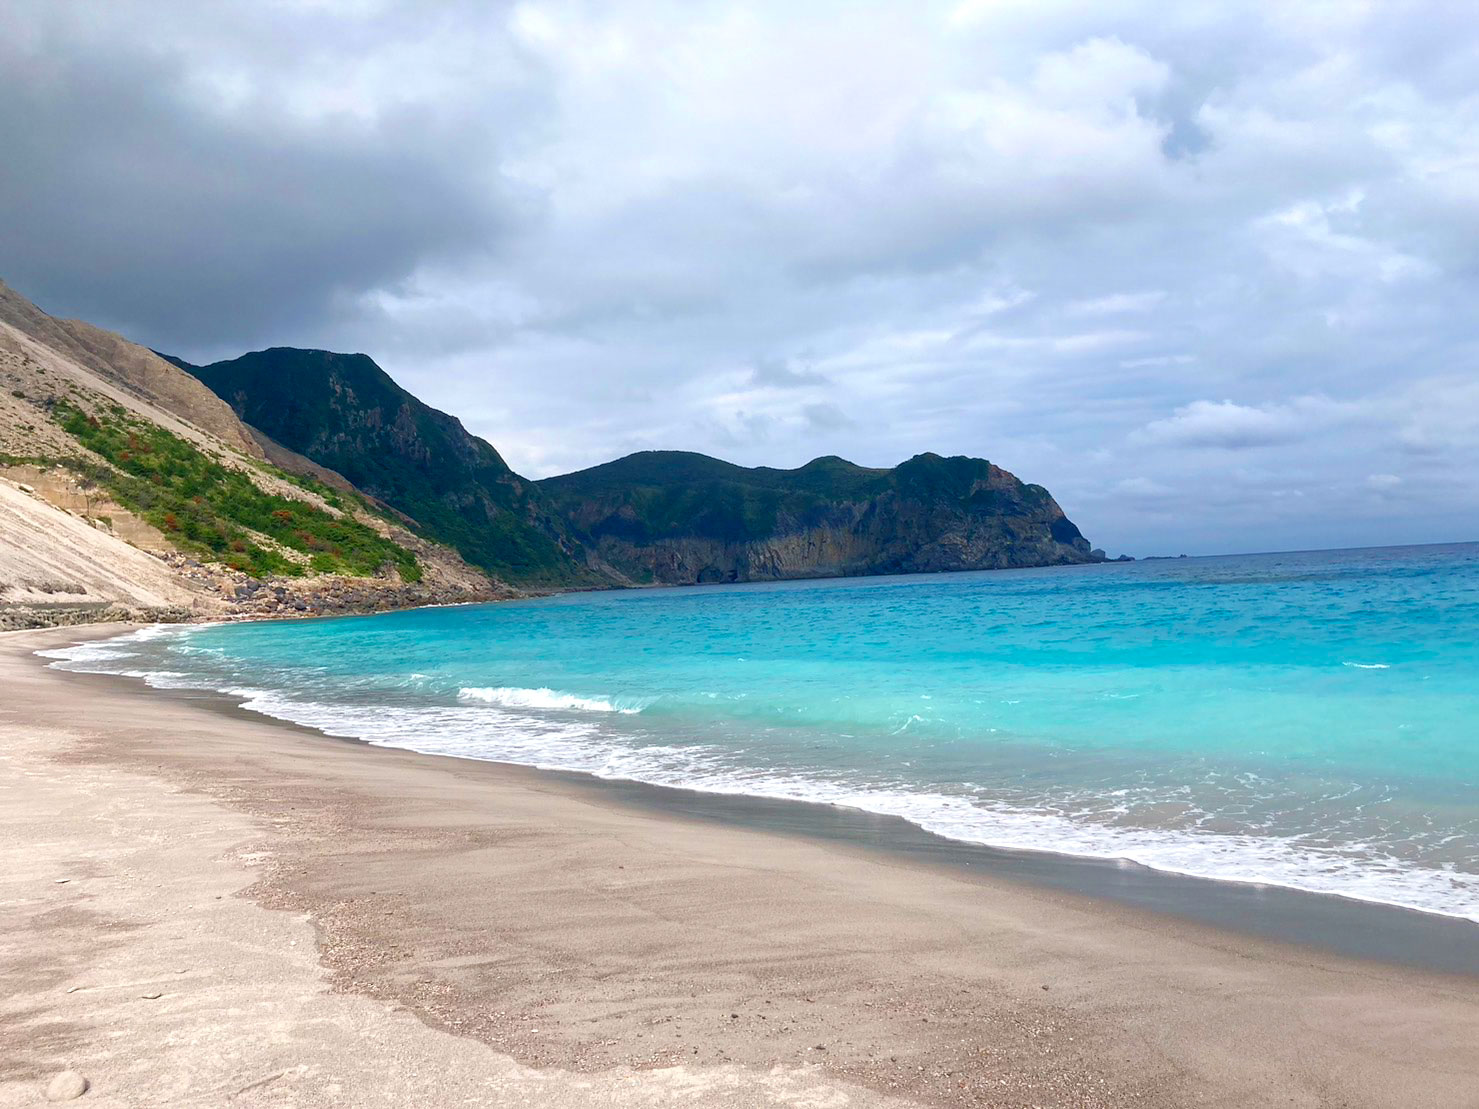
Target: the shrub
(210, 508)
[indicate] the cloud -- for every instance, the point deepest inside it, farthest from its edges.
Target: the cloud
(1117, 304)
(1315, 238)
(1230, 426)
(1438, 415)
(195, 208)
(774, 372)
(1143, 489)
(825, 417)
(1053, 236)
(1157, 360)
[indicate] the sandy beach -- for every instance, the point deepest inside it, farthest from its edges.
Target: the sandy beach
(205, 907)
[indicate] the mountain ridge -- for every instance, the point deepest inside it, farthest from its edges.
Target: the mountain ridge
(291, 480)
(129, 490)
(653, 517)
(681, 518)
(345, 413)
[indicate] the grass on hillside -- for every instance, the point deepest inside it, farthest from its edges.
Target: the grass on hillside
(211, 509)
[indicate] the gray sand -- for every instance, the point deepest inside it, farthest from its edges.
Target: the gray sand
(560, 948)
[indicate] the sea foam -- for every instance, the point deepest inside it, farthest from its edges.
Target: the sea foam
(1166, 715)
(515, 698)
(531, 739)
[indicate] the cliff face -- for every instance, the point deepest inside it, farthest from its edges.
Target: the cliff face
(665, 517)
(128, 490)
(137, 371)
(343, 412)
(293, 480)
(674, 518)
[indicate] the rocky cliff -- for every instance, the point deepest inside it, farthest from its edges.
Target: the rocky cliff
(135, 370)
(343, 412)
(656, 517)
(676, 518)
(664, 517)
(128, 490)
(304, 481)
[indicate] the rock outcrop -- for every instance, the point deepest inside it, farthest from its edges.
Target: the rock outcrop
(676, 518)
(136, 370)
(343, 412)
(128, 490)
(293, 481)
(665, 517)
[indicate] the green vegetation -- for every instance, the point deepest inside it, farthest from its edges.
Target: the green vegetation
(327, 493)
(345, 413)
(214, 510)
(656, 495)
(627, 508)
(672, 494)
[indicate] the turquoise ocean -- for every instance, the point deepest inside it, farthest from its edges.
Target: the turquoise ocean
(1308, 720)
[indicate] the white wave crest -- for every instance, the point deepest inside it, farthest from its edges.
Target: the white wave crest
(1367, 665)
(512, 697)
(590, 748)
(533, 737)
(79, 655)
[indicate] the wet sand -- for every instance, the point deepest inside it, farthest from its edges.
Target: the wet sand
(549, 932)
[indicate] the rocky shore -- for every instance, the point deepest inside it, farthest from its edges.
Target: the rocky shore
(228, 595)
(327, 595)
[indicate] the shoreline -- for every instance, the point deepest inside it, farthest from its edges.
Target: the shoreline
(485, 897)
(1352, 926)
(138, 952)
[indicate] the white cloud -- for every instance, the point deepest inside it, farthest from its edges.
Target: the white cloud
(1157, 360)
(825, 417)
(1439, 415)
(1310, 240)
(1143, 488)
(1117, 304)
(1229, 426)
(772, 231)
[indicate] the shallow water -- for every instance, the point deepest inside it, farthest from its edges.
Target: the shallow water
(1308, 720)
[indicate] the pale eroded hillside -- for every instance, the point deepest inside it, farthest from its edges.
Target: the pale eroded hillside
(86, 527)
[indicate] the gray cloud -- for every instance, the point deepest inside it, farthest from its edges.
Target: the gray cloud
(826, 417)
(1207, 272)
(771, 371)
(136, 199)
(1232, 426)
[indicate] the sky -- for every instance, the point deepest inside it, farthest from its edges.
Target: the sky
(1206, 271)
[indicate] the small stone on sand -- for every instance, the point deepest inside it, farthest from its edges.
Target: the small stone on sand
(66, 1086)
(62, 882)
(150, 996)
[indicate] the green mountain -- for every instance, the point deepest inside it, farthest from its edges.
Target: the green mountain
(344, 412)
(130, 491)
(679, 518)
(665, 517)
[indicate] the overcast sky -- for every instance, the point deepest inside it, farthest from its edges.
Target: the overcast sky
(1208, 272)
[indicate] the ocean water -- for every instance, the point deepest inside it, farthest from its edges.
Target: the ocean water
(1308, 720)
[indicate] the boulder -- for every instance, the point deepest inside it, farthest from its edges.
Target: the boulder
(66, 1086)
